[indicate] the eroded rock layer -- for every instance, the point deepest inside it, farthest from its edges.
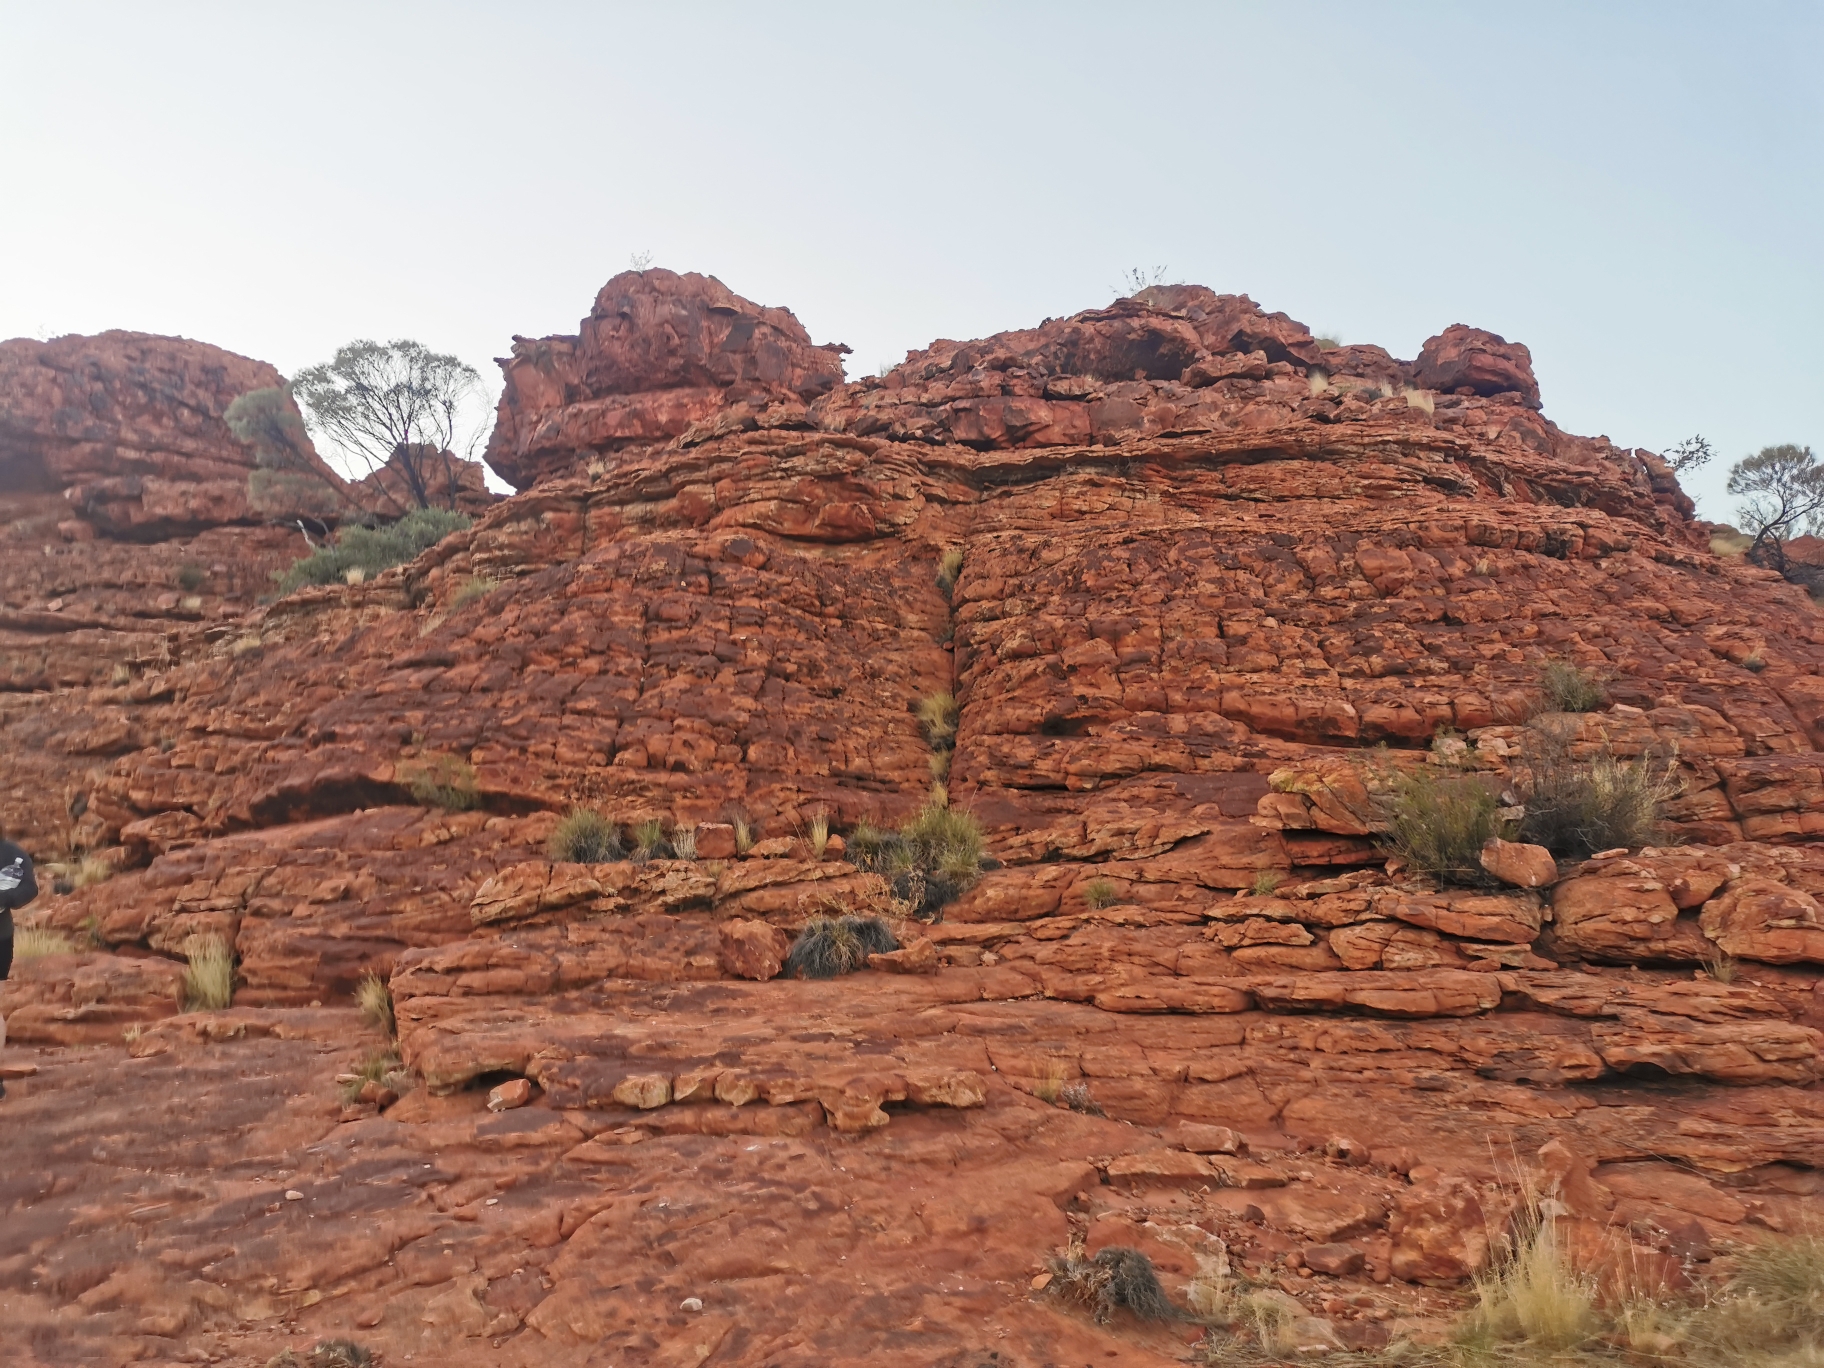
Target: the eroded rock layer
(1203, 590)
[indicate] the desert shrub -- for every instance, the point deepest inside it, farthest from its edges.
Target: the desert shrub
(191, 577)
(937, 713)
(585, 837)
(370, 550)
(1266, 882)
(932, 859)
(1438, 824)
(949, 566)
(1565, 687)
(828, 946)
(1100, 893)
(442, 781)
(35, 942)
(649, 841)
(1578, 806)
(209, 979)
(375, 999)
(1116, 1277)
(1077, 1097)
(940, 765)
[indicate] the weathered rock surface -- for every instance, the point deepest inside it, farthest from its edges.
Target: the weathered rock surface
(1203, 591)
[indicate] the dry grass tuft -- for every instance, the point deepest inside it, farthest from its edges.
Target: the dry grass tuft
(1267, 882)
(744, 828)
(476, 586)
(375, 999)
(1050, 1082)
(820, 833)
(209, 981)
(684, 843)
(1100, 893)
(949, 566)
(1116, 1278)
(649, 841)
(35, 942)
(585, 837)
(1565, 687)
(937, 713)
(442, 781)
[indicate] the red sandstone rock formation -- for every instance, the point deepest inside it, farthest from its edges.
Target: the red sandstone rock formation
(1205, 590)
(657, 353)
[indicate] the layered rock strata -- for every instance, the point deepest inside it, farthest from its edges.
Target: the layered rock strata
(1202, 590)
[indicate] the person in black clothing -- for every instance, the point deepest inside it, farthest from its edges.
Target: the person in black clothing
(18, 886)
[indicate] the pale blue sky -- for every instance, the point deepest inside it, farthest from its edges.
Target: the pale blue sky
(1634, 191)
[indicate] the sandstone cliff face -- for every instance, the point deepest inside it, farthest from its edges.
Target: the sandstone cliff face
(1207, 584)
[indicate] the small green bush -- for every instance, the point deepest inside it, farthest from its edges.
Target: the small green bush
(372, 549)
(1438, 825)
(442, 781)
(1567, 688)
(585, 837)
(1100, 893)
(1267, 882)
(1576, 807)
(828, 946)
(191, 577)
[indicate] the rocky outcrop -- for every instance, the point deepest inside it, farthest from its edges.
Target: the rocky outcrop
(1204, 593)
(658, 353)
(128, 428)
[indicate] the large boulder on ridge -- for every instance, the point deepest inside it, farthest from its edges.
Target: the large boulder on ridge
(658, 352)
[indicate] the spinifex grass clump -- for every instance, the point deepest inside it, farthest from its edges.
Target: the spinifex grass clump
(442, 781)
(1100, 893)
(209, 981)
(35, 942)
(1578, 806)
(585, 837)
(829, 946)
(370, 550)
(649, 842)
(1438, 825)
(1116, 1277)
(935, 857)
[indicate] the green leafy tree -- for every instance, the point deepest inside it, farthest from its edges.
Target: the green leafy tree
(1781, 489)
(397, 406)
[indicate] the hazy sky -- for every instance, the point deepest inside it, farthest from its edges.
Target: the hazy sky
(1634, 191)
